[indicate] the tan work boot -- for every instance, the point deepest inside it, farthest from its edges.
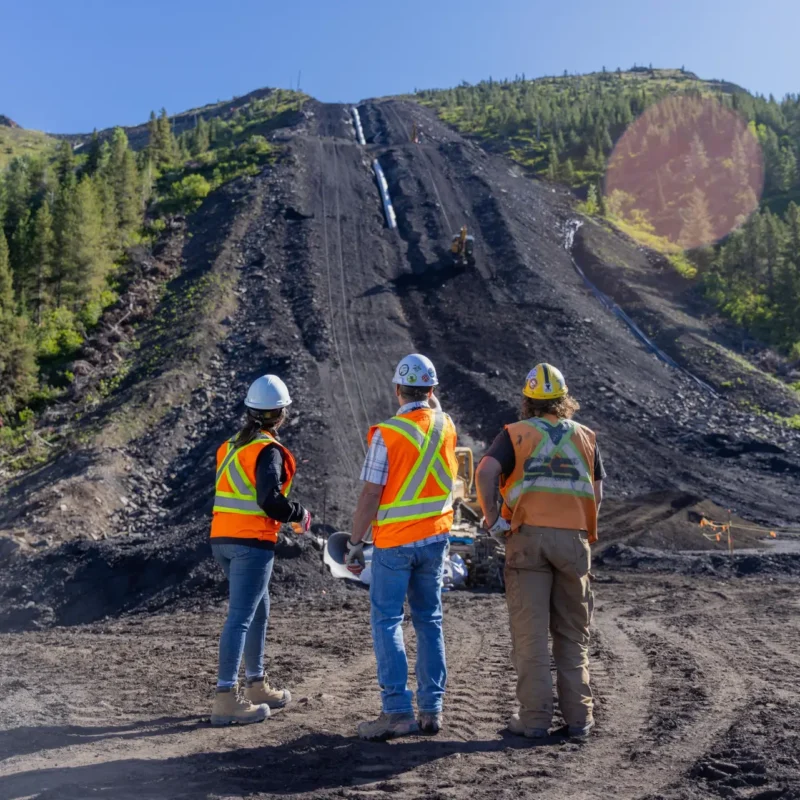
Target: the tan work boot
(229, 708)
(516, 726)
(388, 726)
(259, 691)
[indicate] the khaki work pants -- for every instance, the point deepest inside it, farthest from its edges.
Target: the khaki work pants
(547, 587)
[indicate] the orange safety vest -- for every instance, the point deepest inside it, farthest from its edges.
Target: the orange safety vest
(236, 512)
(552, 485)
(417, 500)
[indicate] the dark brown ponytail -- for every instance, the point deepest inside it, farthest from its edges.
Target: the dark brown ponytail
(257, 421)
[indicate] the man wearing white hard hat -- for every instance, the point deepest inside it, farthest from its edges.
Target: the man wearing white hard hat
(407, 500)
(254, 476)
(550, 476)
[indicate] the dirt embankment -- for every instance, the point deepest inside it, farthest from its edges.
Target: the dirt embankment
(672, 312)
(294, 271)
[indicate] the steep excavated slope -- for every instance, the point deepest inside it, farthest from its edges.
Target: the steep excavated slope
(526, 303)
(300, 275)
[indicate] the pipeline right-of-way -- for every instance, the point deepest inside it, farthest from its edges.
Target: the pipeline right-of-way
(571, 230)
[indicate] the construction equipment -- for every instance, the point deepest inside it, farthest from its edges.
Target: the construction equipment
(483, 555)
(463, 248)
(465, 502)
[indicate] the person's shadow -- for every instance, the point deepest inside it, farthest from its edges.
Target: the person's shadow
(32, 739)
(314, 761)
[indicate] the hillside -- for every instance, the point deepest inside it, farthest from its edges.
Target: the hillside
(183, 121)
(700, 158)
(75, 228)
(16, 141)
(263, 247)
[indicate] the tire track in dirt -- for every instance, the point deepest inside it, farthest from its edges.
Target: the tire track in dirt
(346, 299)
(328, 271)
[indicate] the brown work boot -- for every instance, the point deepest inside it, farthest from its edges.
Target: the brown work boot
(580, 731)
(430, 722)
(388, 726)
(516, 726)
(259, 691)
(229, 709)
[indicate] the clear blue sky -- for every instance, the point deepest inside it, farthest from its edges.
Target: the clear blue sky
(71, 65)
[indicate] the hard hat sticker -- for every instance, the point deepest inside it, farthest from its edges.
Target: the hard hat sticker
(432, 372)
(403, 371)
(412, 379)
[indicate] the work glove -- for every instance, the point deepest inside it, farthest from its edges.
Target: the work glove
(354, 557)
(498, 530)
(304, 524)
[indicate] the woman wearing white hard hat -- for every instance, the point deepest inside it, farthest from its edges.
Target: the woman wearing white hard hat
(254, 476)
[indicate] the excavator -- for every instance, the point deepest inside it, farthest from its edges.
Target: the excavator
(463, 248)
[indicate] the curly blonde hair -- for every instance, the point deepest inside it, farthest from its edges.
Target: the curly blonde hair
(562, 407)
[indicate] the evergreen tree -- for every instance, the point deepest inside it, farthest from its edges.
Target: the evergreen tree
(6, 278)
(17, 362)
(21, 256)
(568, 172)
(93, 154)
(88, 260)
(64, 229)
(104, 190)
(17, 194)
(152, 137)
(788, 176)
(123, 177)
(65, 163)
(167, 147)
(553, 165)
(697, 229)
(592, 204)
(42, 245)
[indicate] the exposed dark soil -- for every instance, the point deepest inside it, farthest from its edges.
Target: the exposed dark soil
(695, 679)
(673, 521)
(294, 271)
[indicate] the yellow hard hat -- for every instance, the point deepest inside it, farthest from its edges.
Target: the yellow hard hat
(544, 382)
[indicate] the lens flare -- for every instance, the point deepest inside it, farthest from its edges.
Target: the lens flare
(688, 171)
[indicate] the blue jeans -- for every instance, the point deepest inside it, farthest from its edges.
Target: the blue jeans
(416, 571)
(248, 570)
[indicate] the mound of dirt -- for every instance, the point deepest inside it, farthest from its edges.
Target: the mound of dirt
(671, 521)
(82, 581)
(639, 559)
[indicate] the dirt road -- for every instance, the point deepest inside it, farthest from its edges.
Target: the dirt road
(697, 686)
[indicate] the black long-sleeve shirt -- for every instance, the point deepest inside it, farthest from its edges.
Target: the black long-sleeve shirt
(270, 476)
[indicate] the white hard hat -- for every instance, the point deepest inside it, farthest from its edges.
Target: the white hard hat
(267, 393)
(416, 370)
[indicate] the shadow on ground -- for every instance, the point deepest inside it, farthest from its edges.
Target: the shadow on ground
(310, 763)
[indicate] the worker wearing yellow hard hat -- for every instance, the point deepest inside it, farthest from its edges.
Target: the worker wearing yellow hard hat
(549, 472)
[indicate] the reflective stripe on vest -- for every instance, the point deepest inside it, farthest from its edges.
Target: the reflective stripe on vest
(555, 466)
(408, 505)
(243, 498)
